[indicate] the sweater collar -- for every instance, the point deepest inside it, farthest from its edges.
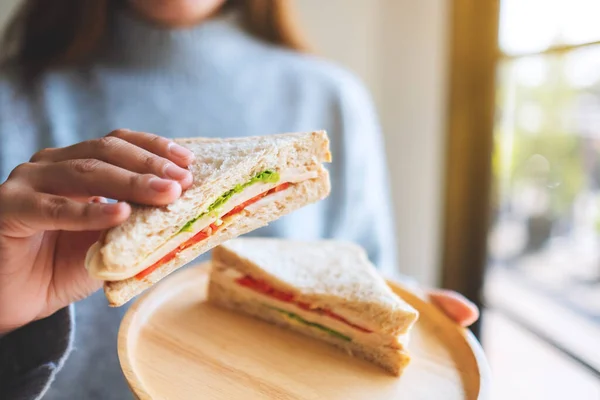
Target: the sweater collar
(133, 41)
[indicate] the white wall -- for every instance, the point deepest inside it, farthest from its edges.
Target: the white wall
(398, 47)
(348, 32)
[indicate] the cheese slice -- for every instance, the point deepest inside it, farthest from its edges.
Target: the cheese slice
(228, 279)
(95, 265)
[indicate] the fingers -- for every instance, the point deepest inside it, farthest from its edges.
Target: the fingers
(456, 306)
(119, 152)
(157, 145)
(38, 211)
(84, 178)
(131, 166)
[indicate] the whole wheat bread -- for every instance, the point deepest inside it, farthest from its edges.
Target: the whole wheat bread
(393, 360)
(326, 273)
(298, 195)
(219, 165)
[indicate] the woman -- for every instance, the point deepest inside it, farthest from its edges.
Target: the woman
(74, 71)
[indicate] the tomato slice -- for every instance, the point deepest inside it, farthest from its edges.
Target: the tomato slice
(264, 288)
(200, 236)
(238, 209)
(154, 266)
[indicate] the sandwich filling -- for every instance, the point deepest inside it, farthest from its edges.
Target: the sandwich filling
(258, 191)
(264, 288)
(209, 230)
(297, 312)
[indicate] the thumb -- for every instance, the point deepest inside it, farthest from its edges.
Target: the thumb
(455, 306)
(70, 276)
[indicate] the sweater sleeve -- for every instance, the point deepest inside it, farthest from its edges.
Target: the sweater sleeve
(31, 356)
(363, 212)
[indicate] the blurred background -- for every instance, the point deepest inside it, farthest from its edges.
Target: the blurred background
(491, 115)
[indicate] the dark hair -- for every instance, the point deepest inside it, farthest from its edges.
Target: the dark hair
(44, 34)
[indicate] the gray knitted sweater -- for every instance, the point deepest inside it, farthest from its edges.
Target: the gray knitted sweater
(213, 80)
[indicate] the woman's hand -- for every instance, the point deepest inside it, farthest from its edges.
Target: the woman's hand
(456, 306)
(51, 211)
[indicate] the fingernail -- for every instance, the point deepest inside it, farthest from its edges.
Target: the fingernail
(112, 209)
(180, 151)
(98, 199)
(160, 185)
(174, 172)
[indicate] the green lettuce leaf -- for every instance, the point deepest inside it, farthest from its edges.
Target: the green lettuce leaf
(298, 318)
(267, 176)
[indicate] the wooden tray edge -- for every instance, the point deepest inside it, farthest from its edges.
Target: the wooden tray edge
(412, 296)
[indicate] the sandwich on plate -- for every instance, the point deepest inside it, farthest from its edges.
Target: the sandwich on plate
(240, 184)
(327, 290)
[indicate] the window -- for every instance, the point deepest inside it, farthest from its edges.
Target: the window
(525, 104)
(544, 240)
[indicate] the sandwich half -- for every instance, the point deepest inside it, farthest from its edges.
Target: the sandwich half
(327, 290)
(240, 184)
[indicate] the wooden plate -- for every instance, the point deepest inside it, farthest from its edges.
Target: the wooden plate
(174, 345)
